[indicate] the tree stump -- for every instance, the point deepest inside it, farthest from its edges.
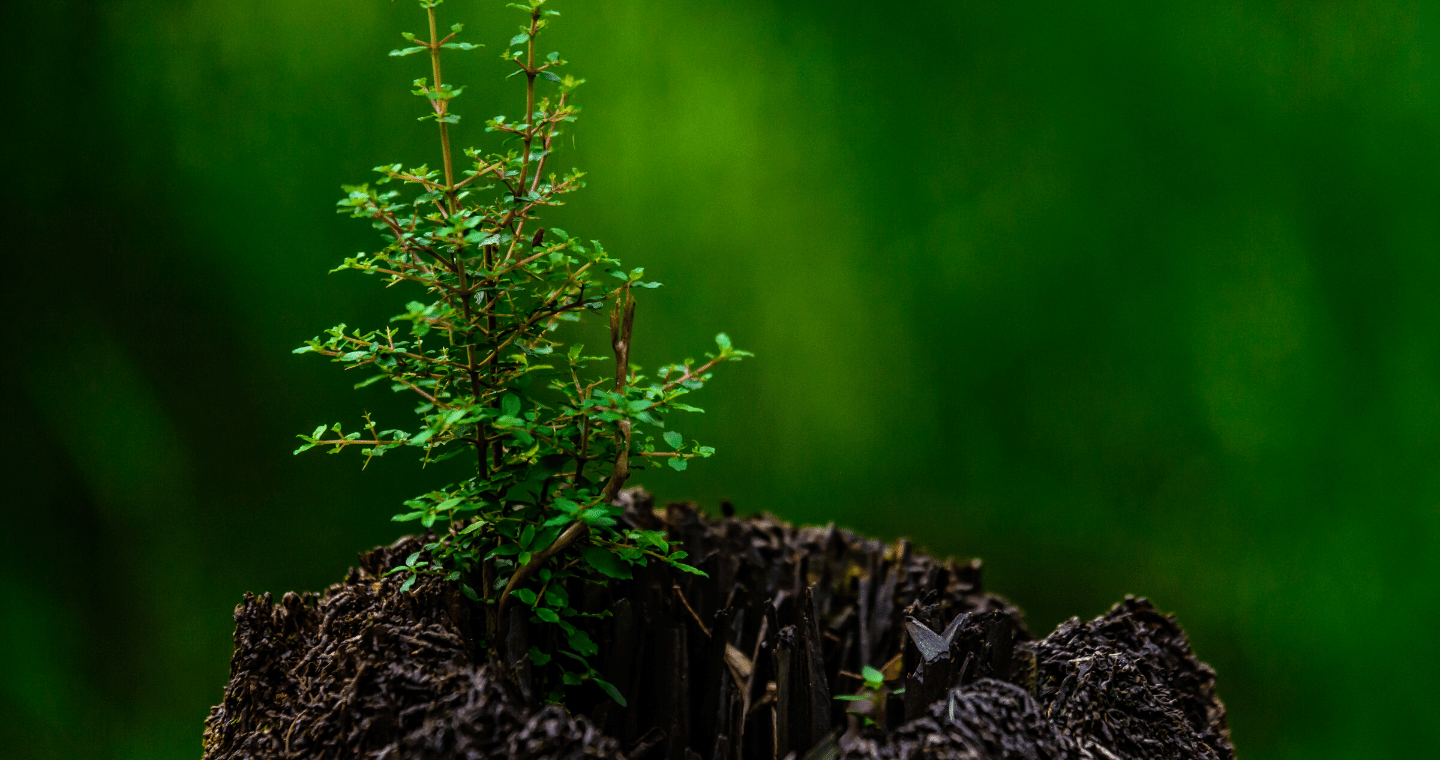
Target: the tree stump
(742, 665)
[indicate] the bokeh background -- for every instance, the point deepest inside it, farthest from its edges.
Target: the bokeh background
(1130, 297)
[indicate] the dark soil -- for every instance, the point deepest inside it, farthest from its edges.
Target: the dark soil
(743, 664)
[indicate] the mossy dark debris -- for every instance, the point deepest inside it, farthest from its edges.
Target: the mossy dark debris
(365, 671)
(1128, 685)
(983, 719)
(742, 664)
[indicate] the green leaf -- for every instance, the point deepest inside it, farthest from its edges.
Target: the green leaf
(547, 614)
(689, 569)
(503, 551)
(597, 517)
(678, 464)
(538, 657)
(469, 592)
(544, 538)
(872, 676)
(550, 75)
(605, 562)
(408, 583)
(609, 689)
(723, 341)
(674, 439)
(520, 38)
(524, 594)
(510, 405)
(851, 698)
(653, 538)
(581, 642)
(371, 381)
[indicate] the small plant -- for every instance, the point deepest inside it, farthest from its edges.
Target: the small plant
(489, 352)
(873, 692)
(874, 682)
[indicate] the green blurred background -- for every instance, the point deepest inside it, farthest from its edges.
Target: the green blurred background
(1132, 297)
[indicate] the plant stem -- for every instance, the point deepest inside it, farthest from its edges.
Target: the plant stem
(622, 322)
(442, 106)
(491, 325)
(575, 532)
(529, 101)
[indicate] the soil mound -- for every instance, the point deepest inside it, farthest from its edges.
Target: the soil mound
(742, 664)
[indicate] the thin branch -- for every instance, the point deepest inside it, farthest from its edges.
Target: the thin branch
(676, 588)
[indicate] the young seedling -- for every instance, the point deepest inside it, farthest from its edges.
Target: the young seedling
(874, 682)
(486, 347)
(873, 693)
